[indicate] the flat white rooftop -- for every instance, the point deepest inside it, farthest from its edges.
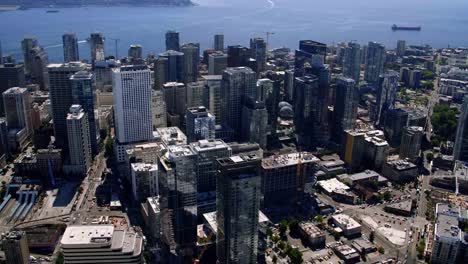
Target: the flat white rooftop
(87, 234)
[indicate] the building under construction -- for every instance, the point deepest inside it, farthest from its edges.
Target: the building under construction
(285, 177)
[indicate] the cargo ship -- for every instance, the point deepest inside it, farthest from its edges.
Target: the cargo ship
(395, 27)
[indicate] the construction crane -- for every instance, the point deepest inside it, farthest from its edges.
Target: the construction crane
(116, 40)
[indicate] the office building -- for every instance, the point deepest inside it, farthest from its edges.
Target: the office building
(254, 122)
(450, 241)
(350, 227)
(158, 109)
(132, 102)
(144, 180)
(135, 51)
(400, 171)
(268, 91)
(345, 107)
(161, 72)
(70, 47)
(375, 60)
(78, 140)
(395, 120)
(61, 98)
(365, 149)
(152, 217)
(15, 246)
(196, 94)
(460, 149)
(200, 124)
(280, 181)
(96, 45)
(386, 95)
(217, 63)
(238, 201)
(405, 76)
(208, 151)
(310, 54)
(213, 95)
(238, 56)
(191, 57)
(17, 105)
(411, 142)
(172, 68)
(313, 234)
(82, 86)
(101, 244)
(11, 75)
(415, 79)
(172, 40)
(218, 42)
(102, 71)
(258, 51)
(175, 96)
(237, 83)
(401, 48)
(178, 200)
(27, 45)
(39, 74)
(310, 110)
(352, 61)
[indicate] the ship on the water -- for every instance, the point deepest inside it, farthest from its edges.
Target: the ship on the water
(52, 11)
(395, 27)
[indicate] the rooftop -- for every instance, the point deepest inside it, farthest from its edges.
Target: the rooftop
(332, 184)
(290, 159)
(141, 167)
(345, 221)
(172, 135)
(153, 202)
(209, 144)
(311, 230)
(91, 234)
(401, 165)
(15, 90)
(176, 151)
(210, 218)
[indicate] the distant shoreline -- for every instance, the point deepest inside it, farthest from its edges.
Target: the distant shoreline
(11, 7)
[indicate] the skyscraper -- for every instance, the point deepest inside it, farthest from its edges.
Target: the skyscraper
(237, 83)
(219, 42)
(237, 203)
(310, 111)
(70, 47)
(161, 72)
(159, 110)
(258, 51)
(17, 103)
(39, 73)
(254, 122)
(460, 149)
(213, 90)
(96, 44)
(174, 66)
(386, 94)
(11, 75)
(15, 246)
(200, 124)
(78, 140)
(82, 86)
(172, 40)
(401, 48)
(374, 62)
(345, 107)
(352, 61)
(27, 45)
(217, 63)
(310, 54)
(175, 96)
(135, 51)
(411, 142)
(191, 60)
(178, 188)
(132, 102)
(238, 56)
(60, 94)
(195, 94)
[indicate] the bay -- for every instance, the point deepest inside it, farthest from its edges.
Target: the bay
(443, 23)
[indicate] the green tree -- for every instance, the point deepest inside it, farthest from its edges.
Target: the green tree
(294, 226)
(269, 233)
(59, 259)
(109, 145)
(387, 196)
(381, 250)
(283, 227)
(429, 156)
(319, 219)
(444, 121)
(427, 85)
(274, 259)
(275, 238)
(428, 75)
(295, 256)
(420, 248)
(372, 236)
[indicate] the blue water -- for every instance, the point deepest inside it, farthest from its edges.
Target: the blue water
(444, 23)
